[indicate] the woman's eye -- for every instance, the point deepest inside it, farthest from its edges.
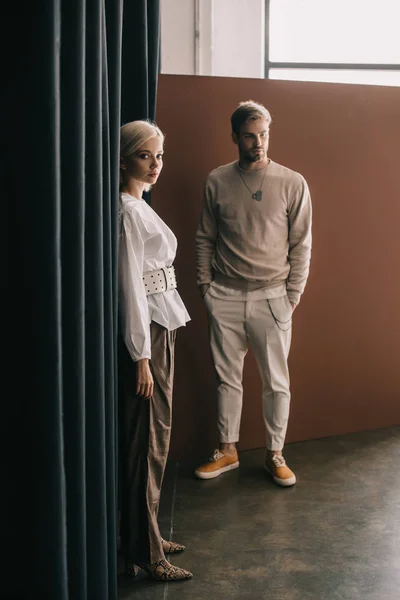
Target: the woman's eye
(159, 156)
(144, 156)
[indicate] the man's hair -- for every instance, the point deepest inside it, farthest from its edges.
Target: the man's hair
(246, 111)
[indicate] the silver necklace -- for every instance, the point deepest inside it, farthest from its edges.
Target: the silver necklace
(258, 194)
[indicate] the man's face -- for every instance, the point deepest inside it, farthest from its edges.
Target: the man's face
(253, 140)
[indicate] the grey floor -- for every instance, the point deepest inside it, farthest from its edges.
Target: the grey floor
(333, 536)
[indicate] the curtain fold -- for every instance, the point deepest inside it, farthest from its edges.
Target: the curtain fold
(112, 36)
(73, 36)
(60, 123)
(141, 38)
(96, 513)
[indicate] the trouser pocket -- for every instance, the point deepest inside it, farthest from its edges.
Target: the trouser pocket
(282, 311)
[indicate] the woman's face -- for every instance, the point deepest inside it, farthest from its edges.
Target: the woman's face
(146, 163)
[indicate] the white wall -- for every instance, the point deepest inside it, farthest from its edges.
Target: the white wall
(178, 37)
(213, 37)
(238, 38)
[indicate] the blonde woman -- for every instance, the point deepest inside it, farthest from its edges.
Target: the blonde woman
(151, 311)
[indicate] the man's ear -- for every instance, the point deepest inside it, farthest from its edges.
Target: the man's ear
(235, 138)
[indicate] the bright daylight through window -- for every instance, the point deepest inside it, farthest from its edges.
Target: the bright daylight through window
(346, 41)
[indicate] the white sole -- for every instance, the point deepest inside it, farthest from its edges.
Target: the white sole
(281, 482)
(201, 475)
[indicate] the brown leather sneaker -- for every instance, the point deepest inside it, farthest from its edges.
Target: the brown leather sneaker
(219, 463)
(276, 466)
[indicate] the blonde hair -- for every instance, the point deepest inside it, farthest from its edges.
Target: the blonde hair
(133, 135)
(249, 110)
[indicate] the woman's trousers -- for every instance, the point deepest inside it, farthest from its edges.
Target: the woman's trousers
(145, 430)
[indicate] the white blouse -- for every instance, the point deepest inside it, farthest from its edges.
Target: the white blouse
(146, 243)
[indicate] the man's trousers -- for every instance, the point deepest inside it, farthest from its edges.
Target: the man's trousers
(266, 326)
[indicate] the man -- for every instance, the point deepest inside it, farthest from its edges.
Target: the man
(253, 255)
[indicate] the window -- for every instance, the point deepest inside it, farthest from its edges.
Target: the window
(346, 41)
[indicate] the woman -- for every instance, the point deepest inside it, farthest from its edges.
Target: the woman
(150, 312)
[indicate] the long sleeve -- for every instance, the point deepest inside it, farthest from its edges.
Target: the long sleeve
(206, 238)
(300, 218)
(133, 300)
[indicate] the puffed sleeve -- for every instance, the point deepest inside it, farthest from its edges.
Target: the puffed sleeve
(134, 311)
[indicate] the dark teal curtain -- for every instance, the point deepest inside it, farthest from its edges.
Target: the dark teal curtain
(60, 119)
(64, 115)
(141, 38)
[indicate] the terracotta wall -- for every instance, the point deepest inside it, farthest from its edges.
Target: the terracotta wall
(345, 356)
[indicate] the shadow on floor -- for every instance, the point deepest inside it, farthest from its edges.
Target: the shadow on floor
(333, 536)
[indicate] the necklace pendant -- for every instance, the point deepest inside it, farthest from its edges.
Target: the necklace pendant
(257, 195)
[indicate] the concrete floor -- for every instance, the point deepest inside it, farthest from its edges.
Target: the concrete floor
(335, 535)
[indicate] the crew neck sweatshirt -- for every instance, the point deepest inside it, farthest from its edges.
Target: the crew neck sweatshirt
(261, 243)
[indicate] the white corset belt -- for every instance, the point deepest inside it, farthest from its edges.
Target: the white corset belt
(160, 280)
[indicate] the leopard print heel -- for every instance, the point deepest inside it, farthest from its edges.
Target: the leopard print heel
(172, 547)
(164, 571)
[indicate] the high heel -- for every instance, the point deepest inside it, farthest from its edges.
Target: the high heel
(164, 571)
(171, 547)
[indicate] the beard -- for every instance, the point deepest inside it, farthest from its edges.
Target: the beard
(254, 155)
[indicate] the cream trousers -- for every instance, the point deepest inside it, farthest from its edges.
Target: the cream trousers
(266, 326)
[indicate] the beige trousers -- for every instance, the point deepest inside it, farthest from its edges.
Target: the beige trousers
(266, 326)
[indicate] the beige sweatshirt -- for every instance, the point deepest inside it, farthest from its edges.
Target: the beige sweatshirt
(243, 242)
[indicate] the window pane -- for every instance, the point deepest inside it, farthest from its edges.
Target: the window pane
(335, 31)
(336, 76)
